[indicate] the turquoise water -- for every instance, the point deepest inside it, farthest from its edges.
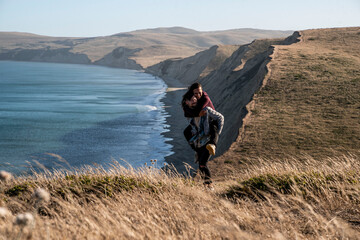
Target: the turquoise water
(55, 115)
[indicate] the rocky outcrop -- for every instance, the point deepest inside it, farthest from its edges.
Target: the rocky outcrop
(187, 70)
(232, 90)
(231, 84)
(62, 55)
(120, 57)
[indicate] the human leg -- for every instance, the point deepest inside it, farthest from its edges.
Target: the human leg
(203, 158)
(214, 135)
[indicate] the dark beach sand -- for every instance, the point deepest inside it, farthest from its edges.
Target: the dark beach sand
(183, 154)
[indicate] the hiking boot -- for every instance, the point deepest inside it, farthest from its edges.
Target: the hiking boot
(211, 148)
(209, 186)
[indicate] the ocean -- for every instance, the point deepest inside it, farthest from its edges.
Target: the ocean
(66, 115)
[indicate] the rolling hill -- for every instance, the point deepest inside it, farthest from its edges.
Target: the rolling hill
(142, 47)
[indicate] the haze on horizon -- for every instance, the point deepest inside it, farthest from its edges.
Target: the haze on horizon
(90, 18)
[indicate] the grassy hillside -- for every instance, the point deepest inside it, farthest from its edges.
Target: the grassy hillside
(310, 103)
(293, 173)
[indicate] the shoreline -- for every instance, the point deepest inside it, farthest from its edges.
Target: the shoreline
(182, 153)
(177, 123)
(76, 139)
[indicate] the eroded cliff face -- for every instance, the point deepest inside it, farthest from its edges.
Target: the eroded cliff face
(231, 82)
(188, 70)
(120, 57)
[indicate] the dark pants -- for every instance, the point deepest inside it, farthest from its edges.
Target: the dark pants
(202, 152)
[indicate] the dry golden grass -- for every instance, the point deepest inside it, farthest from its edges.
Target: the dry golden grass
(149, 204)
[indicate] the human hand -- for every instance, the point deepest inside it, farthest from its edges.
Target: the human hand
(202, 113)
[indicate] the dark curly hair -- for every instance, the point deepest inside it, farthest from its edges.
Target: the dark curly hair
(187, 96)
(194, 86)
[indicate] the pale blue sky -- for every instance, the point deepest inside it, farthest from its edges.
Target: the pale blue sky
(86, 18)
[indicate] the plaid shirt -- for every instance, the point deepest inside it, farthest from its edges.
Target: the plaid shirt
(201, 131)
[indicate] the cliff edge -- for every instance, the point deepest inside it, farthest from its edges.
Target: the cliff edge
(229, 74)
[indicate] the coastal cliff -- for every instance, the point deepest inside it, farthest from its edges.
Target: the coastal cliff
(120, 57)
(231, 75)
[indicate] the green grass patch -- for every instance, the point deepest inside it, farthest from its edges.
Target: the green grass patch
(257, 187)
(81, 185)
(106, 185)
(18, 189)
